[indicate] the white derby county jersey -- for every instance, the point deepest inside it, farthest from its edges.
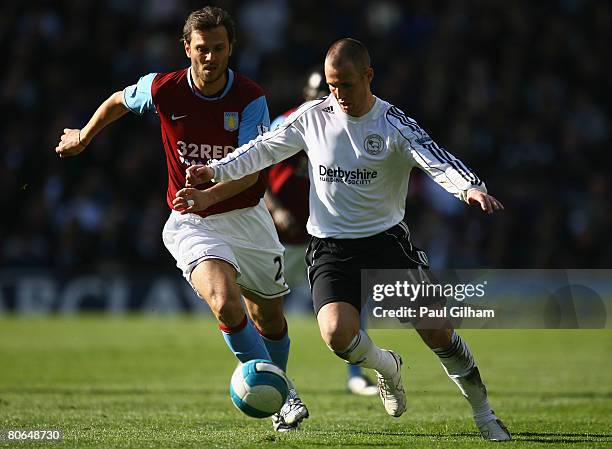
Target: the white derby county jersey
(358, 166)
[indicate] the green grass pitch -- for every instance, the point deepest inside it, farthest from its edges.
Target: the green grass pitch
(163, 382)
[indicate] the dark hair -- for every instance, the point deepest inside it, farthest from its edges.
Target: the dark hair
(207, 18)
(349, 50)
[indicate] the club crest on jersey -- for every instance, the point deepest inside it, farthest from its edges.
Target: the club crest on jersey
(230, 121)
(374, 144)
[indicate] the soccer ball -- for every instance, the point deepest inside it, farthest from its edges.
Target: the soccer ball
(258, 388)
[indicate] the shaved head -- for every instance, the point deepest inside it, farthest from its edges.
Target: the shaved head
(348, 75)
(346, 51)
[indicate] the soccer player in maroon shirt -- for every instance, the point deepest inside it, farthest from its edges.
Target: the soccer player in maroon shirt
(230, 245)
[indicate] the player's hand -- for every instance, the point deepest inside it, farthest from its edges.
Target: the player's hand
(198, 174)
(488, 203)
(70, 143)
(190, 200)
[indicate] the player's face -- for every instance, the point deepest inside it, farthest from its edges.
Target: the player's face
(350, 87)
(209, 52)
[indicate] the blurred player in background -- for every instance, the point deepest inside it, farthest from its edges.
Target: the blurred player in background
(361, 150)
(205, 111)
(287, 201)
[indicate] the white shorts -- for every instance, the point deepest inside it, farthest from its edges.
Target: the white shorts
(245, 238)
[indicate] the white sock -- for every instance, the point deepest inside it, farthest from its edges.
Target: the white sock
(459, 364)
(363, 352)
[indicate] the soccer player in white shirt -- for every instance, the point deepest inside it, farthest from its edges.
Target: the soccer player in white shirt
(361, 150)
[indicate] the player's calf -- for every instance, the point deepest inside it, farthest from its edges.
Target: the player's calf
(267, 314)
(363, 352)
(269, 320)
(215, 281)
(338, 321)
(458, 362)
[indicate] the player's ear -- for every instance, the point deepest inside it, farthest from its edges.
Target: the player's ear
(231, 49)
(370, 74)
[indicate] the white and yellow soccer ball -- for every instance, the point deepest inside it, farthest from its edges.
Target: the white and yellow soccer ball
(258, 388)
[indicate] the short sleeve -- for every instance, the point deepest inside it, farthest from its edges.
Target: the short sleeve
(138, 97)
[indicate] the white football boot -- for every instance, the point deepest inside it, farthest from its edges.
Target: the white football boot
(391, 389)
(292, 413)
(495, 430)
(490, 426)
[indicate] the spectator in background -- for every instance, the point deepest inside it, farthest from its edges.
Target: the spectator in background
(263, 22)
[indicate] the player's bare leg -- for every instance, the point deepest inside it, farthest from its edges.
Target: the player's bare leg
(269, 319)
(267, 314)
(458, 362)
(215, 281)
(358, 383)
(339, 327)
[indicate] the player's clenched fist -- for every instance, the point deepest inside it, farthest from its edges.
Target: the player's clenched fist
(70, 143)
(198, 174)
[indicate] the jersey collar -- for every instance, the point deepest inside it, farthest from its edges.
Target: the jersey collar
(373, 112)
(197, 93)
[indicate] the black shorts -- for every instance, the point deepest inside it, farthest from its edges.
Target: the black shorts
(334, 265)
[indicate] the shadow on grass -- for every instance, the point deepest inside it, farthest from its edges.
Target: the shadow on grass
(540, 437)
(563, 437)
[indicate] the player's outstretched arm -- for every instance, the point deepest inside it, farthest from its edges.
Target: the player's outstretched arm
(73, 141)
(488, 203)
(189, 199)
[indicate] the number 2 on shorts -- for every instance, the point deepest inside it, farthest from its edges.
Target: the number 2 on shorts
(279, 273)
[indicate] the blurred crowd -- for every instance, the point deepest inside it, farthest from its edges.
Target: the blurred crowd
(518, 90)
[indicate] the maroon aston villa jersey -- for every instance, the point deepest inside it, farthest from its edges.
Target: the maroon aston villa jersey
(195, 128)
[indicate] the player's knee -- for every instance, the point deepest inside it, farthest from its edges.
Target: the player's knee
(338, 323)
(226, 307)
(337, 337)
(229, 314)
